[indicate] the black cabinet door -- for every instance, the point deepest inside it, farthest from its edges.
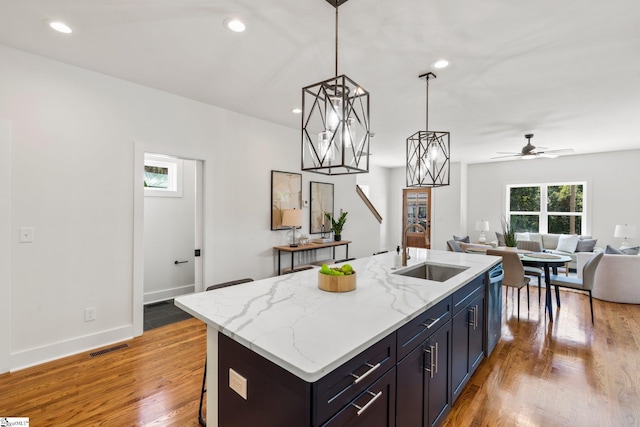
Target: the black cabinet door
(438, 376)
(461, 324)
(375, 407)
(410, 389)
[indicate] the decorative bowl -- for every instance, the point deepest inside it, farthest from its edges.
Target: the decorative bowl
(330, 283)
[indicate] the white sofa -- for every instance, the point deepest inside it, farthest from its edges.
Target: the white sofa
(617, 277)
(550, 243)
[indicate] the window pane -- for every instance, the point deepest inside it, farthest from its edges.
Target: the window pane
(156, 177)
(564, 198)
(524, 199)
(565, 224)
(522, 223)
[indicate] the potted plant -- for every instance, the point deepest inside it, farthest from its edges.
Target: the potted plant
(336, 226)
(509, 234)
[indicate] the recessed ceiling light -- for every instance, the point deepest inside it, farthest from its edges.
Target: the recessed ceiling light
(296, 111)
(59, 26)
(440, 63)
(235, 25)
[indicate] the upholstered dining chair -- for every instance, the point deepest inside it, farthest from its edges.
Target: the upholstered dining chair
(203, 390)
(514, 276)
(533, 246)
(585, 284)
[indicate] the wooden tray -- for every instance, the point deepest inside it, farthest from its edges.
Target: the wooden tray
(336, 283)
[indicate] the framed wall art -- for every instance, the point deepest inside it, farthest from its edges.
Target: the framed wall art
(321, 201)
(286, 193)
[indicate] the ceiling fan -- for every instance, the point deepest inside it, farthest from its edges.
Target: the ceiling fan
(529, 151)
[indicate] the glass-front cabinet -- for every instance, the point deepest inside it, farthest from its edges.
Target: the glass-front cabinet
(417, 210)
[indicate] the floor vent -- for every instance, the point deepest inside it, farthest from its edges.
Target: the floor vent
(108, 350)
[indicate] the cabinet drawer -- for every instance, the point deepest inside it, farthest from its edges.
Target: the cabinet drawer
(375, 407)
(339, 387)
(419, 329)
(464, 296)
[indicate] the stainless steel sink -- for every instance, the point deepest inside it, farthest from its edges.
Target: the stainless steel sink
(431, 271)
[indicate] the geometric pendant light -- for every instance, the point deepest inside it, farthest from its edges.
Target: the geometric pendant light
(335, 123)
(428, 154)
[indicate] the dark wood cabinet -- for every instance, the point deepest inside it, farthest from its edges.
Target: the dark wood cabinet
(424, 378)
(438, 376)
(468, 326)
(410, 378)
(423, 384)
(375, 407)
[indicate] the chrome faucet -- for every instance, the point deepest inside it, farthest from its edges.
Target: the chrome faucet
(404, 241)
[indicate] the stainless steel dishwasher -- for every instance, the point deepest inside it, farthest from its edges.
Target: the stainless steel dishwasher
(494, 307)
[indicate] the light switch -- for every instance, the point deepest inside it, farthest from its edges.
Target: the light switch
(26, 234)
(238, 383)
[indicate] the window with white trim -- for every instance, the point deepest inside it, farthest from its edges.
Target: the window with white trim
(557, 208)
(162, 176)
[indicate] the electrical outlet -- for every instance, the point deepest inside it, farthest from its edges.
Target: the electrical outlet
(89, 314)
(238, 383)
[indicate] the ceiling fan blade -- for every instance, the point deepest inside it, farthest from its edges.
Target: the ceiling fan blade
(547, 155)
(508, 155)
(507, 152)
(562, 150)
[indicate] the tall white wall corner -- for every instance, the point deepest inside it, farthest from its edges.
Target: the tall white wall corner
(5, 244)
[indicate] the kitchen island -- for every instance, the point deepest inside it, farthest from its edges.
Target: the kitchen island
(302, 335)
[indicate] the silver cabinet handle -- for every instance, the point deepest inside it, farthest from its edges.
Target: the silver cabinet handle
(366, 374)
(436, 357)
(472, 316)
(369, 403)
(433, 322)
(475, 317)
(432, 366)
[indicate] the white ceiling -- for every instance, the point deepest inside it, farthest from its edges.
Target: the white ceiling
(567, 71)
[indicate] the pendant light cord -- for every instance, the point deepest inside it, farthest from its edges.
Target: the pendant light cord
(336, 40)
(427, 114)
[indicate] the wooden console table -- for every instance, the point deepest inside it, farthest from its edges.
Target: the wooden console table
(310, 247)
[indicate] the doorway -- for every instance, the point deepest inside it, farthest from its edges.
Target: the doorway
(168, 229)
(416, 210)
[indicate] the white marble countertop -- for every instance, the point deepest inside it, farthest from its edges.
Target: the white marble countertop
(310, 332)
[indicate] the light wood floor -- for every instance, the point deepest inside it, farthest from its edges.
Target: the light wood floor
(565, 373)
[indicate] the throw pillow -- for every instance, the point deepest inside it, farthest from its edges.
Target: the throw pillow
(612, 251)
(500, 237)
(464, 239)
(631, 251)
(568, 243)
(522, 237)
(586, 245)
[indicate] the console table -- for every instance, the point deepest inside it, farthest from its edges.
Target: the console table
(311, 247)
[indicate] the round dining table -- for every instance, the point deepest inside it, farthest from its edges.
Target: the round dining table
(547, 261)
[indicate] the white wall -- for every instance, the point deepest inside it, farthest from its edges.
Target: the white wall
(612, 195)
(169, 236)
(6, 237)
(72, 179)
(378, 182)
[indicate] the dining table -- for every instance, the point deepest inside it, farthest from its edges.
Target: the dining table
(547, 261)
